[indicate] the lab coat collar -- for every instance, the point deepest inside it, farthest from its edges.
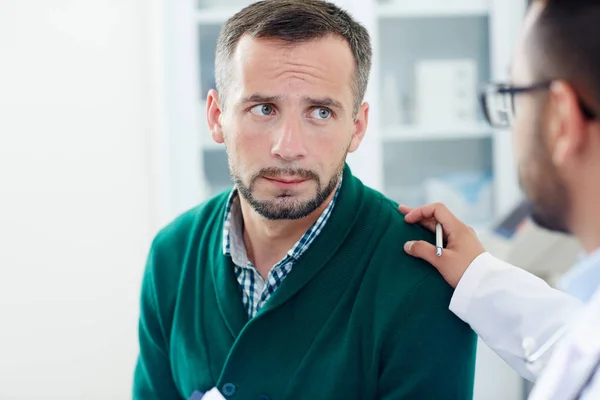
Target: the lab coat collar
(583, 279)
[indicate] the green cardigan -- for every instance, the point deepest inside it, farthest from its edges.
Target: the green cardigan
(356, 318)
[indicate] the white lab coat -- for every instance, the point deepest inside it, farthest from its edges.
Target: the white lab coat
(516, 314)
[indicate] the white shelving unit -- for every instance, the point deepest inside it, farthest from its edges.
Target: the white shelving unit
(432, 8)
(404, 33)
(215, 15)
(413, 133)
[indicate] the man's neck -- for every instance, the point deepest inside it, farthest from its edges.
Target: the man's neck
(268, 241)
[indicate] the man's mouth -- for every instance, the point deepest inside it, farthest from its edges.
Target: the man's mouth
(284, 179)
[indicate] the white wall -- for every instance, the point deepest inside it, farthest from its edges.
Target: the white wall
(76, 205)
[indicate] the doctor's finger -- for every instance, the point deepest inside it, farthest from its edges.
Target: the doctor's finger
(448, 264)
(426, 223)
(405, 209)
(438, 212)
(423, 250)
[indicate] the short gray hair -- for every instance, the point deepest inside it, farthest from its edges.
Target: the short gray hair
(295, 21)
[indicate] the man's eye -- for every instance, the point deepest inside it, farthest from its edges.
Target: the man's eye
(321, 113)
(262, 110)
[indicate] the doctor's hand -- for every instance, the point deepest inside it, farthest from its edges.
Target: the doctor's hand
(462, 245)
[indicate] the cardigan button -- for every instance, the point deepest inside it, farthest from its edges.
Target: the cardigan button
(229, 389)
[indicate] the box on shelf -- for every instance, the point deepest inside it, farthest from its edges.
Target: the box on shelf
(446, 91)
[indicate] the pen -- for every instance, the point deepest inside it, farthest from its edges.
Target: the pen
(439, 244)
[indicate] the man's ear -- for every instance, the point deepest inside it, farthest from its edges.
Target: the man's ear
(213, 116)
(360, 127)
(567, 133)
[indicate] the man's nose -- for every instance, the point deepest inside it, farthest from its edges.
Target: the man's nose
(290, 141)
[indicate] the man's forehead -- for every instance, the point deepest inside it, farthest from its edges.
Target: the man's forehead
(267, 65)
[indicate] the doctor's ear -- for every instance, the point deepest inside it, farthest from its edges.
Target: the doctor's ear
(213, 115)
(567, 126)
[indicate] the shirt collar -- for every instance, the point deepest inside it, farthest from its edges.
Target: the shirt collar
(583, 280)
(230, 220)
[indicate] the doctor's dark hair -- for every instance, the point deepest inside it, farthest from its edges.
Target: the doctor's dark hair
(565, 44)
(294, 21)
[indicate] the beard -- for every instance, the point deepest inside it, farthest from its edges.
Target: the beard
(545, 189)
(286, 205)
(549, 212)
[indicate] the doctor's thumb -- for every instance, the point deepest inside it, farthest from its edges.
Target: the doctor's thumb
(423, 250)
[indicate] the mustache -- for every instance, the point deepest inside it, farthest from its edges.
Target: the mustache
(274, 172)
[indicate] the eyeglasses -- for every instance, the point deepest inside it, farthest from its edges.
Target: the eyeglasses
(498, 102)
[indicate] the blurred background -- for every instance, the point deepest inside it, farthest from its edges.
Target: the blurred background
(103, 140)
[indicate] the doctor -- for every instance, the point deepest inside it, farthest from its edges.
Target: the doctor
(552, 103)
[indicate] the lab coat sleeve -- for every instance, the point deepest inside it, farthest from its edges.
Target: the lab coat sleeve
(506, 305)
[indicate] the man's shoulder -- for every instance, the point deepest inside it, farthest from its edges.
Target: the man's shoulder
(189, 232)
(396, 271)
(392, 227)
(174, 246)
(403, 285)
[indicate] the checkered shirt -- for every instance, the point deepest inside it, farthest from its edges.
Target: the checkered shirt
(255, 290)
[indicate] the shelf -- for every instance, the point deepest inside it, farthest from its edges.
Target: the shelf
(215, 15)
(435, 132)
(432, 8)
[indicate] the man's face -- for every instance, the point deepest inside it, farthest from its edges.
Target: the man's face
(288, 122)
(538, 176)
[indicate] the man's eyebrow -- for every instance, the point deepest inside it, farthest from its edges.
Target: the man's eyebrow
(259, 98)
(313, 101)
(324, 102)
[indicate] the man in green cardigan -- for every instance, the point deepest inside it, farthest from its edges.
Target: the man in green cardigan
(293, 285)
